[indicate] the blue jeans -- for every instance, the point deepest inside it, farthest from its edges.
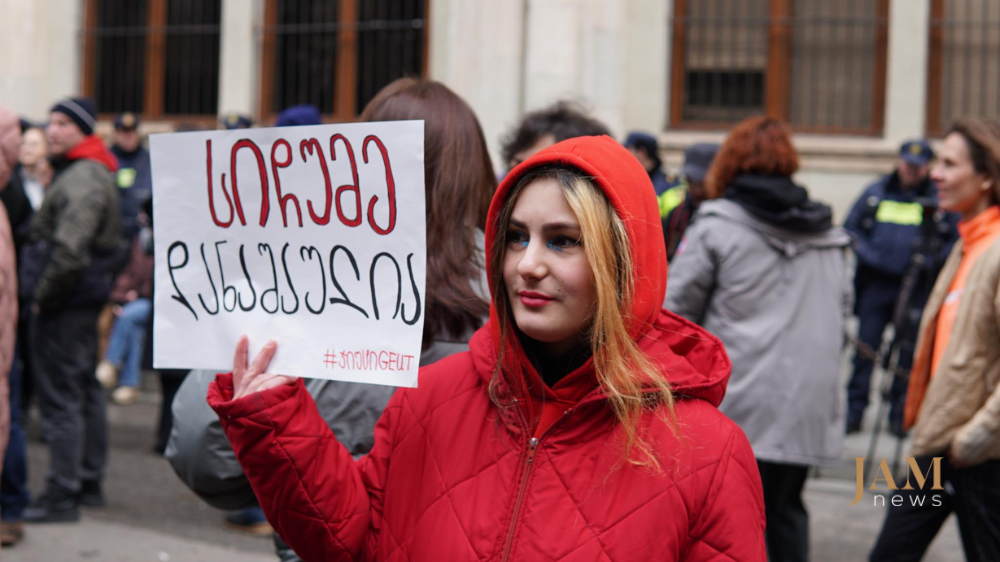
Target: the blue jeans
(127, 337)
(14, 496)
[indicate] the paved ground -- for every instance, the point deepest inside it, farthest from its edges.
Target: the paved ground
(152, 517)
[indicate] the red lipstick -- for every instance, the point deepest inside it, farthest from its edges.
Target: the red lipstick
(532, 299)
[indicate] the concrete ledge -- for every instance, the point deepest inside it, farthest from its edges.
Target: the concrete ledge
(817, 152)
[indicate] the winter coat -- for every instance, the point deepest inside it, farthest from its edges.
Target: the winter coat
(18, 207)
(960, 405)
(885, 223)
(453, 476)
(75, 247)
(778, 299)
(137, 276)
(676, 223)
(135, 185)
(10, 143)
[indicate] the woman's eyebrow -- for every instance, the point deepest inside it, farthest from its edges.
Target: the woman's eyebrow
(547, 227)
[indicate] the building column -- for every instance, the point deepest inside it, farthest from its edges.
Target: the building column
(906, 81)
(237, 56)
(647, 65)
(475, 48)
(40, 54)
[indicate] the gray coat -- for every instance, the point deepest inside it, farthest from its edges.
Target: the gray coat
(778, 300)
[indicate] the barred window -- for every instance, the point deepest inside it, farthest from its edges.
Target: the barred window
(337, 54)
(963, 70)
(154, 57)
(817, 64)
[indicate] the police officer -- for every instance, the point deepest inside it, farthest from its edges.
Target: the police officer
(234, 121)
(134, 177)
(697, 160)
(886, 224)
(669, 191)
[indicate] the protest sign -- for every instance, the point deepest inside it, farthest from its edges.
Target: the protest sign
(312, 236)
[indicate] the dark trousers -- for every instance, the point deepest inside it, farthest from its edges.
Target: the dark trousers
(14, 495)
(71, 400)
(170, 382)
(973, 494)
(875, 308)
(787, 534)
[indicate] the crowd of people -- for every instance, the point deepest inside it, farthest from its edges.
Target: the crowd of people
(656, 356)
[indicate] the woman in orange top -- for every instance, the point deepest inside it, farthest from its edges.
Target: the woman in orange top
(953, 401)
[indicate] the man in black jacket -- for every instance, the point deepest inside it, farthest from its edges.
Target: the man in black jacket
(68, 264)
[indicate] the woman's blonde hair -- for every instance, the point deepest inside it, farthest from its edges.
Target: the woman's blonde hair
(630, 381)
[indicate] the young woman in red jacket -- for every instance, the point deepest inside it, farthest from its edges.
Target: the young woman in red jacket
(580, 425)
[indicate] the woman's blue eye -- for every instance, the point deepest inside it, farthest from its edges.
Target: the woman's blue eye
(559, 243)
(517, 237)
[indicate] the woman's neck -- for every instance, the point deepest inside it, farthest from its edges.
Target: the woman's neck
(32, 170)
(981, 205)
(554, 361)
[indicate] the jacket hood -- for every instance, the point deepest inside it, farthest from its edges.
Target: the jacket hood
(786, 241)
(692, 360)
(92, 148)
(777, 200)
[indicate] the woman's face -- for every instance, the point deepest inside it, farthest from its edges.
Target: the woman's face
(546, 272)
(960, 188)
(32, 147)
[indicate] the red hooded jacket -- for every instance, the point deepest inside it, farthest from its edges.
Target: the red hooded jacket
(453, 477)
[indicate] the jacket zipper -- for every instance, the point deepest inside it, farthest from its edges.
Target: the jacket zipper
(532, 447)
(523, 487)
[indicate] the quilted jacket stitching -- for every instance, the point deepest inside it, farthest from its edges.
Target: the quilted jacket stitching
(447, 490)
(572, 500)
(406, 400)
(716, 549)
(445, 494)
(394, 411)
(578, 547)
(674, 484)
(304, 492)
(710, 499)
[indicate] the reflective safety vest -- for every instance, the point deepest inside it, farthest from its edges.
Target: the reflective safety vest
(898, 212)
(671, 198)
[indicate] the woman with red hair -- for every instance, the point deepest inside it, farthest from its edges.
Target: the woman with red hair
(764, 269)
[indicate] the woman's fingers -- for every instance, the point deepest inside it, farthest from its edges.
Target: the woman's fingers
(263, 358)
(265, 381)
(248, 381)
(277, 380)
(240, 361)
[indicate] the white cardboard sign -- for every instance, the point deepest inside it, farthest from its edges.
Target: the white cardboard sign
(312, 236)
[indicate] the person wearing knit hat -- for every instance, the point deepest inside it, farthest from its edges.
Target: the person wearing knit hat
(669, 191)
(74, 248)
(80, 110)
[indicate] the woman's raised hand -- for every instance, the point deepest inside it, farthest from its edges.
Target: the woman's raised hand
(254, 378)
